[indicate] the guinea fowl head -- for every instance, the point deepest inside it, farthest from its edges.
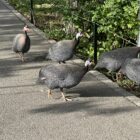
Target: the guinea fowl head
(78, 35)
(26, 28)
(88, 64)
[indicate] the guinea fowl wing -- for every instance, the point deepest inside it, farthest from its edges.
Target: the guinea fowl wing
(61, 46)
(19, 42)
(52, 72)
(61, 51)
(22, 40)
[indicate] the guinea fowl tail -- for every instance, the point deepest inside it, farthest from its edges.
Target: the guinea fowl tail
(40, 80)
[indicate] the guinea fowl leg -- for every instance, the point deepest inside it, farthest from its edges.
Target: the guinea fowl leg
(119, 76)
(63, 96)
(110, 73)
(21, 56)
(62, 62)
(49, 93)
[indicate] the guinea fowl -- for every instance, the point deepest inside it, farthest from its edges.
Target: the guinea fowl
(113, 60)
(131, 69)
(64, 49)
(62, 76)
(21, 43)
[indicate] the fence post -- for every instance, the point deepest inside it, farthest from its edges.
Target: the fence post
(95, 41)
(31, 11)
(138, 39)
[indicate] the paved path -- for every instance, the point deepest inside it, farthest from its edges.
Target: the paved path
(100, 110)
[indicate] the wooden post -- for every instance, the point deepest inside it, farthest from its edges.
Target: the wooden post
(31, 11)
(138, 39)
(95, 41)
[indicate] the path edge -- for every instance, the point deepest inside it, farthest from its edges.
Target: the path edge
(128, 95)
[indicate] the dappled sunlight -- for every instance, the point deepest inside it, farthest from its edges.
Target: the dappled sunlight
(44, 5)
(8, 26)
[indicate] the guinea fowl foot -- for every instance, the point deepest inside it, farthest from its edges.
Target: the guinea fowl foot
(119, 76)
(49, 93)
(62, 62)
(68, 99)
(22, 57)
(63, 96)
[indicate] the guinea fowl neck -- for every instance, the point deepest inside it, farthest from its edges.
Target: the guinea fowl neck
(76, 41)
(86, 69)
(25, 33)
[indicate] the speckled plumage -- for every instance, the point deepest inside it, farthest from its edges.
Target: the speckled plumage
(62, 50)
(61, 76)
(113, 60)
(131, 69)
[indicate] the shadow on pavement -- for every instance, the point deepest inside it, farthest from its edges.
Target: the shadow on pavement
(87, 107)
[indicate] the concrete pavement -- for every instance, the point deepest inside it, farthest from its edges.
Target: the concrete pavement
(100, 110)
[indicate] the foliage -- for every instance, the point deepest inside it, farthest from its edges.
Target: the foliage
(117, 16)
(55, 34)
(129, 85)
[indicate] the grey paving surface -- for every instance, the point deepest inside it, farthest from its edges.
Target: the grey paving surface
(100, 110)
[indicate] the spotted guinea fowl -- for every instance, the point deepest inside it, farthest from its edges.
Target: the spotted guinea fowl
(131, 69)
(21, 43)
(113, 60)
(62, 76)
(64, 49)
